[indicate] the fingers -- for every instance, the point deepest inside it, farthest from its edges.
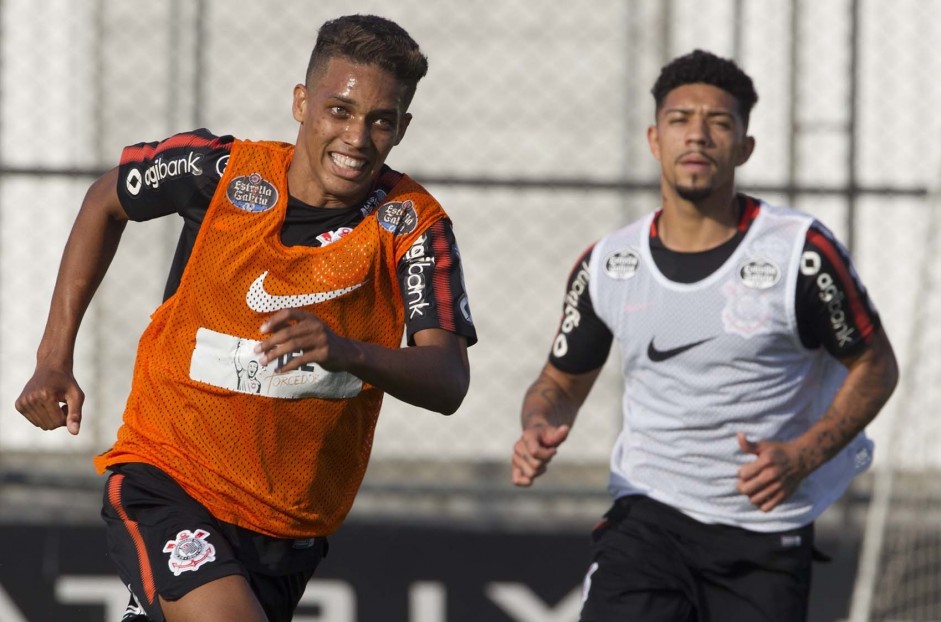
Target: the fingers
(533, 452)
(553, 437)
(73, 411)
(767, 480)
(522, 474)
(746, 445)
(280, 319)
(753, 468)
(765, 496)
(292, 331)
(755, 485)
(526, 467)
(44, 407)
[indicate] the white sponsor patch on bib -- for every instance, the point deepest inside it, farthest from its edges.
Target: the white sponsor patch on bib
(230, 362)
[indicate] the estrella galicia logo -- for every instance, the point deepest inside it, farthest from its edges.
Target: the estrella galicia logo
(398, 217)
(622, 264)
(759, 273)
(252, 193)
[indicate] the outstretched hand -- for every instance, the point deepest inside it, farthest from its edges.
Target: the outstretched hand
(773, 476)
(533, 451)
(52, 399)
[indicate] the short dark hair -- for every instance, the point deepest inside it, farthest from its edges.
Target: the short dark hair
(701, 67)
(370, 40)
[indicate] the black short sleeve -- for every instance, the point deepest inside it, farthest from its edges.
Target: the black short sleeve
(833, 307)
(431, 279)
(176, 175)
(583, 341)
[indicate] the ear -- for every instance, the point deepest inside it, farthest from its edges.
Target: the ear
(299, 107)
(403, 125)
(748, 147)
(653, 141)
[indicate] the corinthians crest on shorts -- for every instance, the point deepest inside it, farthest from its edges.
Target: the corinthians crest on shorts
(189, 551)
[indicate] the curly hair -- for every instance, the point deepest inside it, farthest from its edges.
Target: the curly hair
(370, 40)
(701, 67)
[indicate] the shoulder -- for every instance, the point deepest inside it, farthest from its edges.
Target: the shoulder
(771, 211)
(635, 230)
(623, 244)
(200, 140)
(404, 205)
(820, 235)
(275, 146)
(402, 187)
(156, 178)
(781, 223)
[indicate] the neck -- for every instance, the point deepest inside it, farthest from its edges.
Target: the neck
(698, 225)
(299, 180)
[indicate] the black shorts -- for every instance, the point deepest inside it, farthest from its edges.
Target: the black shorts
(166, 543)
(651, 563)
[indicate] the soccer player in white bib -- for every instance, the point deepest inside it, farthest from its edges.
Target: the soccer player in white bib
(753, 359)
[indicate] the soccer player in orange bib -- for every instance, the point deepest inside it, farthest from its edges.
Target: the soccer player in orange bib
(258, 382)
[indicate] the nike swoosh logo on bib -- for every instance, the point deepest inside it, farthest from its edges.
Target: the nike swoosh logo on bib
(261, 301)
(657, 356)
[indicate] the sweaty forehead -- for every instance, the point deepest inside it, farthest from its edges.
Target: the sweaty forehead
(347, 80)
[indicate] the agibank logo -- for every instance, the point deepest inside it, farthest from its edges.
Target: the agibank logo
(162, 170)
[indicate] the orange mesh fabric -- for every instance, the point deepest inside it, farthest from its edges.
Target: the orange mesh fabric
(256, 447)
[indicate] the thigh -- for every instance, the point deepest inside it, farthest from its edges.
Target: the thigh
(278, 569)
(636, 573)
(758, 576)
(228, 599)
(280, 594)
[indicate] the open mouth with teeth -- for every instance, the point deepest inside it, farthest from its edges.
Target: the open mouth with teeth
(347, 162)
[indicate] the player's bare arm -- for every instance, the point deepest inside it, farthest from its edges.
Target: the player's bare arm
(549, 409)
(52, 397)
(433, 374)
(779, 467)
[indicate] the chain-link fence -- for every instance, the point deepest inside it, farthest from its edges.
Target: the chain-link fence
(530, 129)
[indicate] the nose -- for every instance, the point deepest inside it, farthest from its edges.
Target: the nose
(356, 133)
(698, 131)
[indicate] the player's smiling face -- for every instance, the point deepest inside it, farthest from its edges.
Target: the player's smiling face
(351, 116)
(699, 139)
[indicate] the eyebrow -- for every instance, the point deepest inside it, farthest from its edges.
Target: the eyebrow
(711, 113)
(352, 102)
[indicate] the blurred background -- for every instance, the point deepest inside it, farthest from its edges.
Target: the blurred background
(530, 130)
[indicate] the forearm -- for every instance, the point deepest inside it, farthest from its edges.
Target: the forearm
(88, 253)
(867, 387)
(546, 405)
(554, 398)
(435, 377)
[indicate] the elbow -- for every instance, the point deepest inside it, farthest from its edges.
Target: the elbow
(882, 375)
(891, 377)
(452, 396)
(890, 368)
